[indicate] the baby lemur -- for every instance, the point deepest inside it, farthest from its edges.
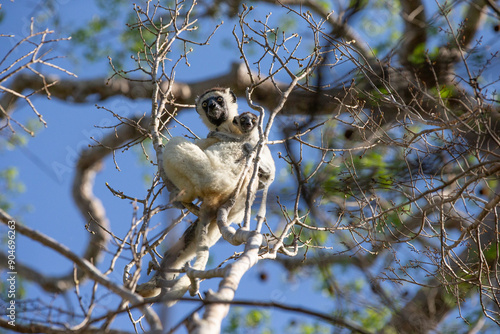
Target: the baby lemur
(247, 125)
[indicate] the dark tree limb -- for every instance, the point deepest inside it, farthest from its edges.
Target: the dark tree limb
(471, 22)
(415, 34)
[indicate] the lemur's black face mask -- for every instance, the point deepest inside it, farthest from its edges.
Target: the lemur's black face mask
(216, 110)
(247, 124)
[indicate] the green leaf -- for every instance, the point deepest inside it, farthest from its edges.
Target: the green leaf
(254, 318)
(418, 55)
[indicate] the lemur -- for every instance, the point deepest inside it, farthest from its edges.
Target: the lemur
(210, 170)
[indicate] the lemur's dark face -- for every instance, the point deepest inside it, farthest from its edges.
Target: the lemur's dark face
(247, 121)
(215, 108)
(217, 104)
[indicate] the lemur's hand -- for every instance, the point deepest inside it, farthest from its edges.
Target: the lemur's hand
(247, 148)
(212, 134)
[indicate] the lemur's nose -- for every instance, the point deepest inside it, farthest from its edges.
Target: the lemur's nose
(212, 104)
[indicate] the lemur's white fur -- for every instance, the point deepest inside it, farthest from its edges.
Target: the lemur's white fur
(208, 174)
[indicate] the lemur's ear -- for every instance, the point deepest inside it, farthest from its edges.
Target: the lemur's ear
(230, 92)
(235, 121)
(196, 100)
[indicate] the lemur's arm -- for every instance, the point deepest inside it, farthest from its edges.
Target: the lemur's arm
(226, 136)
(247, 147)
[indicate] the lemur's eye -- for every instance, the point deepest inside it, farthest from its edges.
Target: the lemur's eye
(220, 99)
(204, 104)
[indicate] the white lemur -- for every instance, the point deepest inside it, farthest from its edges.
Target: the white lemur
(210, 170)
